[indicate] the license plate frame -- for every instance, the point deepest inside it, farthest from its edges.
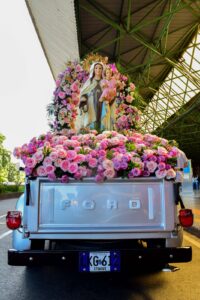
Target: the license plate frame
(99, 261)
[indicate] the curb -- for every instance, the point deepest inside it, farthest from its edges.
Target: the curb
(193, 230)
(10, 195)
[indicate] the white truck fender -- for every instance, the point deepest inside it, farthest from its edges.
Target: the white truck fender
(19, 242)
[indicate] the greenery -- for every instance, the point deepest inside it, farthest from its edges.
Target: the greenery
(11, 188)
(8, 170)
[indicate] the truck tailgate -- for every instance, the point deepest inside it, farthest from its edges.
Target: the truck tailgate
(139, 205)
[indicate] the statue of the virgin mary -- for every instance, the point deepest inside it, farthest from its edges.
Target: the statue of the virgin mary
(91, 110)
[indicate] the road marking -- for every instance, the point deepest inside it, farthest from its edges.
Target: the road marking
(191, 240)
(1, 217)
(5, 234)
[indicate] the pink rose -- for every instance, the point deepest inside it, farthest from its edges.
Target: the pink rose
(161, 166)
(30, 162)
(109, 173)
(47, 161)
(62, 153)
(74, 87)
(38, 156)
(61, 95)
(53, 155)
(49, 169)
(78, 175)
(132, 86)
(52, 176)
(151, 166)
(162, 151)
(107, 164)
(58, 162)
(161, 173)
(79, 158)
(98, 178)
(64, 165)
(136, 172)
(171, 174)
(129, 98)
(64, 179)
(93, 162)
(17, 152)
(41, 171)
(71, 154)
(78, 68)
(73, 168)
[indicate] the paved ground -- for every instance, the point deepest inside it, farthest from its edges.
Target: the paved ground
(191, 199)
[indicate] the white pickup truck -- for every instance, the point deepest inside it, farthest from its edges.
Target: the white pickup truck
(113, 226)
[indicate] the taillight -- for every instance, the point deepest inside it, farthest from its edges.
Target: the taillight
(186, 217)
(13, 219)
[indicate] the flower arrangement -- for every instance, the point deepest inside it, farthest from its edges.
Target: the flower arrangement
(66, 97)
(104, 156)
(64, 108)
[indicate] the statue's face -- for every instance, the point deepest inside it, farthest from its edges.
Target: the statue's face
(98, 70)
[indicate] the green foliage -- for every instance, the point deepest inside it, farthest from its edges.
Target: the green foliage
(5, 158)
(10, 188)
(14, 175)
(130, 146)
(8, 170)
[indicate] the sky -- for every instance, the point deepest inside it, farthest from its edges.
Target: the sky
(26, 83)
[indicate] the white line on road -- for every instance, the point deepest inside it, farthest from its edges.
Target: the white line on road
(5, 234)
(191, 240)
(1, 217)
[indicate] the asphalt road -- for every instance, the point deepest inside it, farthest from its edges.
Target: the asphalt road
(57, 283)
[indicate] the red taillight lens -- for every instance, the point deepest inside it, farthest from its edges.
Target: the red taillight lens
(13, 219)
(186, 217)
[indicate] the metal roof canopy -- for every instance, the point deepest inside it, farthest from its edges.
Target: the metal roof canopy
(146, 39)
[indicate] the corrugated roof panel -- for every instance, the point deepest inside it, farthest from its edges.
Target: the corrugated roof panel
(55, 24)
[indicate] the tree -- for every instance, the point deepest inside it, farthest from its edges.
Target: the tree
(14, 175)
(5, 158)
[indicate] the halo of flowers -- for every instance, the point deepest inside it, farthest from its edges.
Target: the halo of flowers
(63, 109)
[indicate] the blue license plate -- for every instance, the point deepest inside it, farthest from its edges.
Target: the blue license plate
(99, 261)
